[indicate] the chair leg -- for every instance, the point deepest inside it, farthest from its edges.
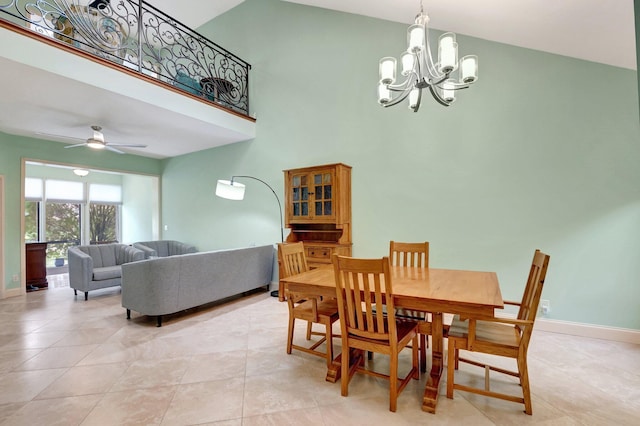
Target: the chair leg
(414, 350)
(393, 382)
(452, 365)
(292, 322)
(524, 382)
(309, 329)
(329, 340)
(345, 376)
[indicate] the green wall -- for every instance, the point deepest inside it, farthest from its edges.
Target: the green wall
(13, 149)
(542, 153)
(636, 4)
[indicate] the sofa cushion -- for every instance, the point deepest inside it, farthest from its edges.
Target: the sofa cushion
(107, 273)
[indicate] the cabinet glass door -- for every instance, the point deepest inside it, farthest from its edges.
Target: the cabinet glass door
(323, 194)
(300, 196)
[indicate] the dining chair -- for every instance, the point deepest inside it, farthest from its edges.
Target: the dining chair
(500, 337)
(362, 287)
(310, 308)
(414, 255)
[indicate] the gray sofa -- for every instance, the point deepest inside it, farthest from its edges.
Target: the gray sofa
(167, 285)
(99, 266)
(164, 248)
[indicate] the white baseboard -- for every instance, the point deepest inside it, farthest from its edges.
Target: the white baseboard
(12, 292)
(589, 330)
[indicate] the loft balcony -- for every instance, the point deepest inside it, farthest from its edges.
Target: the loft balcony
(124, 65)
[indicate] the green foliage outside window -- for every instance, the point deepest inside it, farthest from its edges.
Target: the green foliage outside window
(102, 219)
(31, 221)
(62, 224)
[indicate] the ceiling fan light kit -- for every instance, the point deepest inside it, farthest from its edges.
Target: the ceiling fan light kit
(97, 142)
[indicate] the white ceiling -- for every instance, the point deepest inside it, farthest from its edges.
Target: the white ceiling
(594, 30)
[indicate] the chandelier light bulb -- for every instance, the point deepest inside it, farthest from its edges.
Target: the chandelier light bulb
(414, 98)
(448, 53)
(408, 61)
(448, 92)
(384, 95)
(415, 36)
(469, 69)
(388, 70)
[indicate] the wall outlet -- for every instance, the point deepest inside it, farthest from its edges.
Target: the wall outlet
(166, 227)
(545, 307)
(15, 278)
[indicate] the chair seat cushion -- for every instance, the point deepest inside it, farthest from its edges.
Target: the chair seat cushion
(491, 332)
(107, 273)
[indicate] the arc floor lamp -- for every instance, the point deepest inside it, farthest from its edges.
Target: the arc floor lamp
(232, 190)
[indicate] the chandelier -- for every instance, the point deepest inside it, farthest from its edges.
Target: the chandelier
(422, 72)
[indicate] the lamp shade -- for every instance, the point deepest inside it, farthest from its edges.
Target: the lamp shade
(230, 190)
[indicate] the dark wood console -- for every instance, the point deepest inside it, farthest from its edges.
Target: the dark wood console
(36, 263)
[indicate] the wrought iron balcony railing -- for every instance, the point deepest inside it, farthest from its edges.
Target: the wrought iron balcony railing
(140, 37)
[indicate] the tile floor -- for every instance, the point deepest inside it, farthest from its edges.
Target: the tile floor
(67, 361)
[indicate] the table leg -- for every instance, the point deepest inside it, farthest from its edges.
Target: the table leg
(430, 398)
(334, 372)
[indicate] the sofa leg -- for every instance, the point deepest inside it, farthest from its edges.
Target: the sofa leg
(159, 319)
(75, 292)
(86, 295)
(128, 313)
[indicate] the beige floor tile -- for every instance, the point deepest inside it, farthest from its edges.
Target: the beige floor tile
(135, 407)
(54, 412)
(206, 402)
(145, 374)
(23, 386)
(57, 357)
(84, 380)
(308, 417)
(216, 366)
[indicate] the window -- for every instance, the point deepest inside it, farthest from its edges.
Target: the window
(56, 211)
(62, 229)
(104, 213)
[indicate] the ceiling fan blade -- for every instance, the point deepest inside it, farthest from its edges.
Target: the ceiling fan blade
(113, 149)
(129, 145)
(76, 145)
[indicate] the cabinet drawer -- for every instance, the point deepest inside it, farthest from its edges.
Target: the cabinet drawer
(317, 253)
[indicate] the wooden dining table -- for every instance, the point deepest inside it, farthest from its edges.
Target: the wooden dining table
(438, 291)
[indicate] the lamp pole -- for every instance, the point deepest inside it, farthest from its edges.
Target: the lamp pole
(274, 194)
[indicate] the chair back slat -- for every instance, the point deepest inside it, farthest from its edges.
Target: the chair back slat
(532, 293)
(363, 287)
(292, 259)
(409, 254)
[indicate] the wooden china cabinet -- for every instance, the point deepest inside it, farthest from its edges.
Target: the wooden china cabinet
(318, 211)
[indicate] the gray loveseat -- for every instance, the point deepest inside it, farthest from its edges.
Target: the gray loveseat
(99, 266)
(167, 285)
(164, 248)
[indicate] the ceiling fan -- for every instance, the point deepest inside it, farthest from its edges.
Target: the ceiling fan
(97, 142)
